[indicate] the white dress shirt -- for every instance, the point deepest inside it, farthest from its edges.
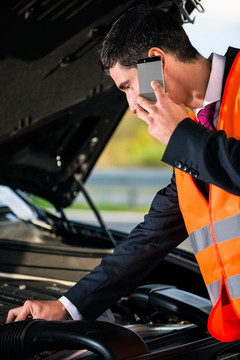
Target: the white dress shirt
(73, 311)
(214, 87)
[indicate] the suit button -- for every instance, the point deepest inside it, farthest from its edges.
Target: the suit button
(189, 171)
(194, 173)
(178, 164)
(181, 166)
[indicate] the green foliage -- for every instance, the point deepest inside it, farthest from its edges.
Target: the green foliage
(39, 201)
(77, 205)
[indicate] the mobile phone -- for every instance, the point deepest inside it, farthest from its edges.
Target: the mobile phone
(149, 69)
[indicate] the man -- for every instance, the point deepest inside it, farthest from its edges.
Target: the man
(207, 167)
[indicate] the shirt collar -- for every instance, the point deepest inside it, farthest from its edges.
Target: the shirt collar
(214, 87)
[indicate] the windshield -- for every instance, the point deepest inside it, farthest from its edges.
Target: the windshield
(18, 207)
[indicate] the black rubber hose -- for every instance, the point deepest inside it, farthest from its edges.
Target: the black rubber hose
(22, 339)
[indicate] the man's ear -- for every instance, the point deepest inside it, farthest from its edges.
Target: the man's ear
(155, 51)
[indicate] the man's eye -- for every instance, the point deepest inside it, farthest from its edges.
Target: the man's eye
(125, 87)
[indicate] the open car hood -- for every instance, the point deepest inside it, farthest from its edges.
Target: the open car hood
(58, 110)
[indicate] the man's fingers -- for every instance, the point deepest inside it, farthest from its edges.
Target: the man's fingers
(48, 310)
(23, 314)
(13, 314)
(10, 318)
(142, 114)
(158, 89)
(143, 102)
(20, 313)
(148, 104)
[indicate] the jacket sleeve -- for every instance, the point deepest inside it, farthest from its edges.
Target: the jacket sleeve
(134, 258)
(210, 156)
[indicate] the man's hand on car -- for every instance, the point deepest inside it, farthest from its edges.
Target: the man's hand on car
(48, 310)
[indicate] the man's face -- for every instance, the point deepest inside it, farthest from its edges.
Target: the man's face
(126, 80)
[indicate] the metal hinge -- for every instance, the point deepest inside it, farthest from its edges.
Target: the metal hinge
(185, 16)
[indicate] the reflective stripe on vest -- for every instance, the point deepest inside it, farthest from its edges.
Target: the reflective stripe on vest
(224, 230)
(214, 227)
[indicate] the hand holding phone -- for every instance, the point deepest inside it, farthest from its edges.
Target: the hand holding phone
(149, 69)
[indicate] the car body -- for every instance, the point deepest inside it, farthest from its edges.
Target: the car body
(58, 112)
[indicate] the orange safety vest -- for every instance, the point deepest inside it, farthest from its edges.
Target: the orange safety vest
(214, 227)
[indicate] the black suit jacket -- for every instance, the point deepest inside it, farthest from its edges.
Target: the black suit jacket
(163, 227)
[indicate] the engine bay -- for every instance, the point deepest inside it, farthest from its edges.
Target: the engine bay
(152, 312)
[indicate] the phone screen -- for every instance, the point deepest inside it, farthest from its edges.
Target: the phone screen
(149, 69)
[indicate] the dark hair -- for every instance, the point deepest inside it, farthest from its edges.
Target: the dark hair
(137, 31)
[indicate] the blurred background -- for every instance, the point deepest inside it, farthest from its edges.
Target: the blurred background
(130, 171)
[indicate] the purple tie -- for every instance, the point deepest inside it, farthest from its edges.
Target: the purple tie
(205, 116)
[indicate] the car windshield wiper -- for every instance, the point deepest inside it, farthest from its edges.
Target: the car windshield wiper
(65, 221)
(4, 210)
(35, 222)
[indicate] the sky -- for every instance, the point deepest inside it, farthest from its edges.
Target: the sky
(217, 28)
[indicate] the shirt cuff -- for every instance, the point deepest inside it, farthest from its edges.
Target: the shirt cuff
(73, 311)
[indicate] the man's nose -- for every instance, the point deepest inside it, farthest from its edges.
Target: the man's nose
(132, 102)
(133, 109)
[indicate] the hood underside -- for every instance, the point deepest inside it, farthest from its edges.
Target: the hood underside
(57, 109)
